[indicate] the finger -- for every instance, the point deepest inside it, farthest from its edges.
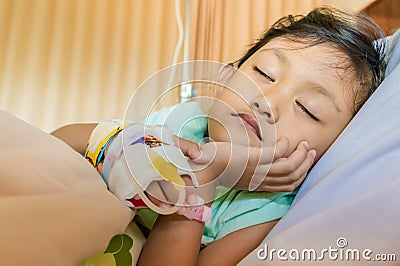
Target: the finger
(283, 187)
(294, 179)
(302, 171)
(259, 176)
(264, 155)
(262, 159)
(270, 152)
(282, 146)
(188, 148)
(207, 153)
(285, 166)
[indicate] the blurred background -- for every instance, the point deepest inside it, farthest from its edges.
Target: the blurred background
(65, 61)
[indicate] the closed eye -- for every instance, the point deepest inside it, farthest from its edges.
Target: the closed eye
(306, 111)
(262, 73)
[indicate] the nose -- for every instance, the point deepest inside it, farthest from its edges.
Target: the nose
(265, 109)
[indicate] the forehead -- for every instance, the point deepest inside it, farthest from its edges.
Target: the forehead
(320, 57)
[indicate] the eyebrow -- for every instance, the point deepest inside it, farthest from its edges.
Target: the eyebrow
(317, 87)
(323, 91)
(281, 57)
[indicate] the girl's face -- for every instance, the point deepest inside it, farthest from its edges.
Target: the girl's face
(308, 98)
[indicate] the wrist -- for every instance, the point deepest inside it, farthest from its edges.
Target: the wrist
(100, 139)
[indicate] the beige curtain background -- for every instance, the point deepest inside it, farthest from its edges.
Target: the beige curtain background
(64, 61)
(224, 28)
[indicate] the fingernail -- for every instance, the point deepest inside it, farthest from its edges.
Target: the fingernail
(313, 153)
(305, 143)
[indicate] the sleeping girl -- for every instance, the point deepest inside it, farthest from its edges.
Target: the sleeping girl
(314, 73)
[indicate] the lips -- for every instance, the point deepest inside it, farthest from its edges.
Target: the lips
(251, 123)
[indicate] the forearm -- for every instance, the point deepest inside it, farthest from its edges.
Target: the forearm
(174, 240)
(75, 135)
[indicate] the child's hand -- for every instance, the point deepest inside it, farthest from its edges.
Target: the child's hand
(268, 170)
(283, 174)
(203, 166)
(192, 150)
(253, 168)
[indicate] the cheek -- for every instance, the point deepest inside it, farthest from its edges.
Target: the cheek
(232, 133)
(321, 147)
(216, 131)
(326, 136)
(317, 139)
(233, 101)
(319, 136)
(293, 133)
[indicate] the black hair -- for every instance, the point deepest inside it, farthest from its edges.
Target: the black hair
(354, 35)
